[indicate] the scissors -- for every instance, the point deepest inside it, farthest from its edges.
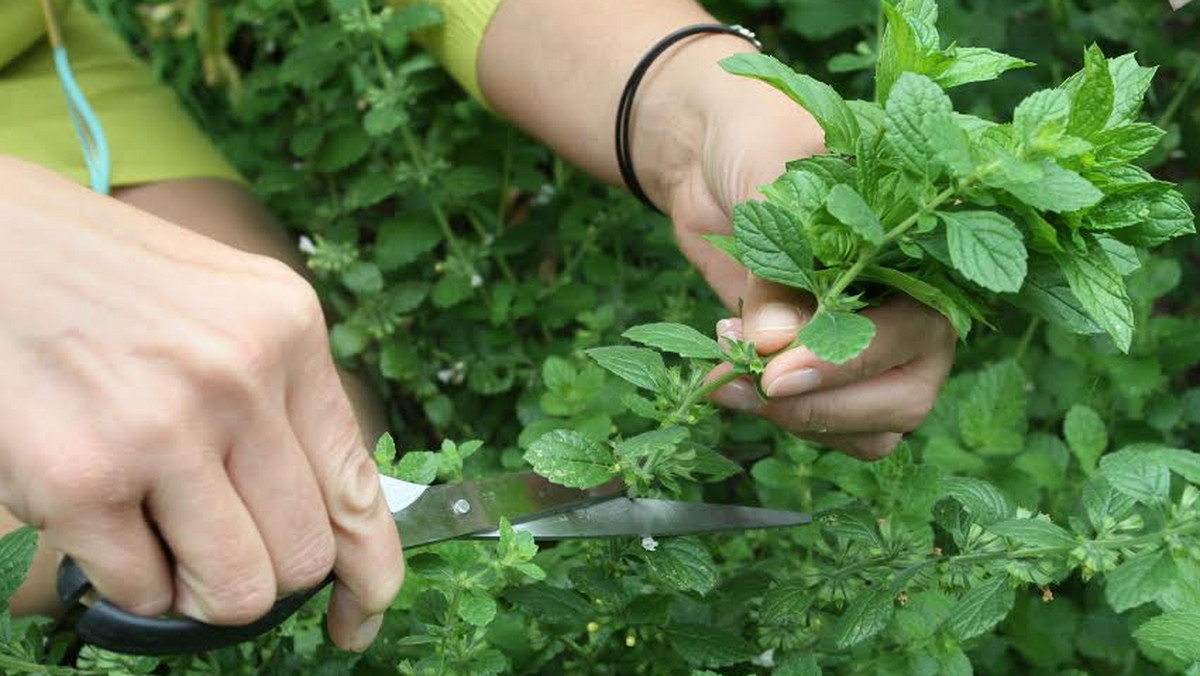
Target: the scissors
(426, 515)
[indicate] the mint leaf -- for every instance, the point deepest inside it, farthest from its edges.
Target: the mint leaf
(1144, 578)
(772, 244)
(786, 603)
(476, 608)
(1130, 82)
(708, 645)
(726, 243)
(1173, 632)
(403, 241)
(850, 208)
(1041, 118)
(987, 249)
(976, 64)
(920, 126)
(1035, 532)
(985, 503)
(958, 315)
(642, 367)
(1140, 473)
(899, 51)
(1167, 216)
(992, 416)
(836, 336)
(1092, 101)
(1049, 187)
(805, 665)
(419, 467)
(568, 458)
(1047, 294)
(677, 339)
(551, 605)
(16, 555)
(800, 191)
(683, 564)
(980, 609)
(818, 98)
(1101, 291)
(1119, 145)
(654, 442)
(1086, 435)
(867, 615)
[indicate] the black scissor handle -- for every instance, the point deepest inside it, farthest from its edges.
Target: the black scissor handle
(107, 626)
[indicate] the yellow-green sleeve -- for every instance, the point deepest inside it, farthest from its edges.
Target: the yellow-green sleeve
(456, 42)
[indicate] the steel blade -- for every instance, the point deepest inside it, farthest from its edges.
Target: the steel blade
(624, 517)
(400, 494)
(455, 510)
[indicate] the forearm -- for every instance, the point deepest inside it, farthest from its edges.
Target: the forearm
(557, 68)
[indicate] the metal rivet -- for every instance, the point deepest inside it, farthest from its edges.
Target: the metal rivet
(461, 507)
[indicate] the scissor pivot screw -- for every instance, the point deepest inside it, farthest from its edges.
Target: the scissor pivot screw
(461, 507)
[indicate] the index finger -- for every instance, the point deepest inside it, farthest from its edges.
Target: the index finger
(905, 329)
(369, 566)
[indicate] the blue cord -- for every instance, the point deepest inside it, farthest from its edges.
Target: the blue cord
(87, 125)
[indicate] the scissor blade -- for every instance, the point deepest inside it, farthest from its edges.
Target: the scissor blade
(623, 517)
(448, 511)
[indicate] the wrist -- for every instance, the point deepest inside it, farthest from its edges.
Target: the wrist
(673, 113)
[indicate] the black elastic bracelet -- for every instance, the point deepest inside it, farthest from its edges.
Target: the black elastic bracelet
(625, 107)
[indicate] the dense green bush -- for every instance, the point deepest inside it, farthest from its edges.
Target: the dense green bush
(470, 272)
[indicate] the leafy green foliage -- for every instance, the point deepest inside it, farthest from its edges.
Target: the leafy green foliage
(469, 274)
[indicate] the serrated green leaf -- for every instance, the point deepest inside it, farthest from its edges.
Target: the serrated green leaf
(726, 243)
(678, 339)
(805, 665)
(1100, 290)
(1173, 632)
(922, 130)
(1142, 579)
(649, 443)
(1047, 294)
(976, 64)
(403, 241)
(419, 467)
(850, 208)
(1119, 145)
(1130, 82)
(705, 644)
(16, 555)
(987, 249)
(980, 609)
(1168, 216)
(637, 365)
(1047, 186)
(868, 615)
(684, 564)
(800, 191)
(1041, 117)
(957, 314)
(772, 244)
(1105, 504)
(476, 608)
(569, 458)
(900, 50)
(836, 336)
(1034, 532)
(786, 603)
(985, 503)
(1086, 435)
(818, 98)
(992, 414)
(1092, 101)
(551, 605)
(1140, 473)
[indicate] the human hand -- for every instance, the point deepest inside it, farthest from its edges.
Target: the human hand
(862, 407)
(173, 419)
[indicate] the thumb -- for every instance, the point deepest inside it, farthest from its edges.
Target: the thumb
(772, 314)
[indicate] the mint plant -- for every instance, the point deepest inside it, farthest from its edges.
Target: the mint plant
(1043, 212)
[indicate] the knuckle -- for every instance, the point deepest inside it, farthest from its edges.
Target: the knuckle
(241, 597)
(356, 487)
(309, 563)
(98, 483)
(877, 447)
(238, 363)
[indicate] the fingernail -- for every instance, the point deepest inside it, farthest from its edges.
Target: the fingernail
(778, 317)
(367, 631)
(738, 395)
(723, 327)
(187, 605)
(794, 382)
(729, 329)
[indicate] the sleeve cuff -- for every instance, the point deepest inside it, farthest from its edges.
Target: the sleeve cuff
(456, 42)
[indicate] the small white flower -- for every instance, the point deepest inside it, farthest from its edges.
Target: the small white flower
(767, 659)
(649, 544)
(307, 246)
(544, 195)
(476, 280)
(445, 375)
